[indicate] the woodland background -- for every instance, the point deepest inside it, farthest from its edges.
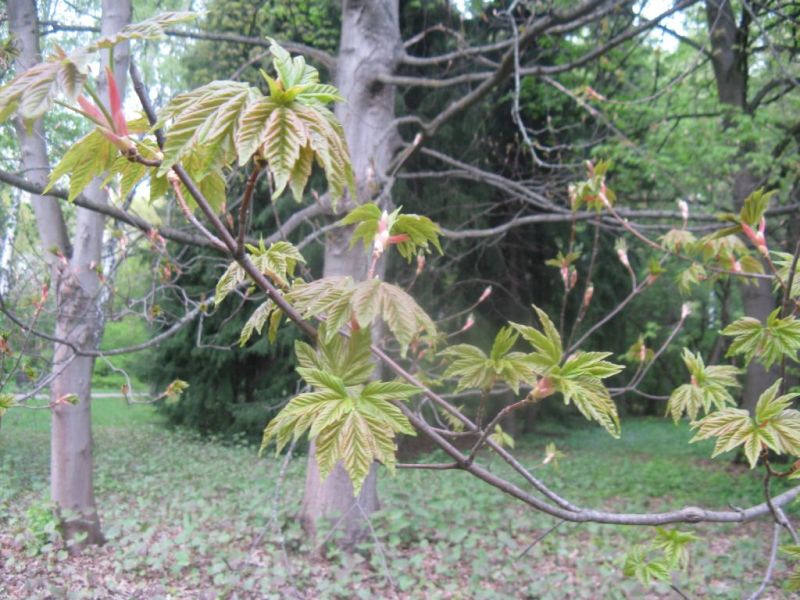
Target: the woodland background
(188, 507)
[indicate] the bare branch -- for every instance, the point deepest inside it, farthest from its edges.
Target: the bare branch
(322, 57)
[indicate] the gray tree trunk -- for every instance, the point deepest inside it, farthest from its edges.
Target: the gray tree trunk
(9, 235)
(729, 60)
(77, 289)
(369, 46)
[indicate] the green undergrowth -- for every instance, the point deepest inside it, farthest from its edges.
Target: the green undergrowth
(187, 516)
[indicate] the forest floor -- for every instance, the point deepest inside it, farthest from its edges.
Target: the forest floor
(190, 517)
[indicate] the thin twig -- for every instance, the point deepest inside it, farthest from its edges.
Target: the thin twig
(773, 555)
(539, 538)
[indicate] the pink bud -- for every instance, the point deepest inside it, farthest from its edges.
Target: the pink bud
(686, 310)
(485, 294)
(398, 239)
(469, 323)
(587, 296)
(573, 279)
(544, 387)
(119, 124)
(382, 237)
(623, 257)
(92, 111)
(420, 263)
(684, 208)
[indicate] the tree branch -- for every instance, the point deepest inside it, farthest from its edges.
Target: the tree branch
(322, 57)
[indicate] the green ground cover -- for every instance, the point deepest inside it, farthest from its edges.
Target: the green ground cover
(201, 518)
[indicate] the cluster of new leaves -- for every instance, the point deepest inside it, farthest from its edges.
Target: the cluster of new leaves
(350, 417)
(32, 93)
(775, 426)
(578, 377)
(751, 215)
(6, 401)
(593, 191)
(476, 370)
(501, 438)
(668, 552)
(564, 264)
(379, 229)
(341, 301)
(639, 352)
(95, 154)
(172, 394)
(768, 342)
(278, 262)
(225, 121)
(708, 386)
(726, 252)
(723, 248)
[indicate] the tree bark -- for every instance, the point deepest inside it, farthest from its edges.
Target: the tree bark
(9, 236)
(729, 60)
(370, 46)
(77, 290)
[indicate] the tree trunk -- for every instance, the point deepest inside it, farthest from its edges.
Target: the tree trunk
(77, 289)
(9, 235)
(729, 60)
(369, 46)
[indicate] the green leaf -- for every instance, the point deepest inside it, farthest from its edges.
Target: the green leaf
(256, 321)
(350, 360)
(592, 399)
(233, 276)
(732, 427)
(501, 438)
(351, 422)
(754, 206)
(301, 172)
(252, 128)
(149, 29)
(292, 71)
(768, 343)
(783, 261)
(637, 565)
(690, 277)
(366, 217)
(278, 262)
(174, 391)
(503, 342)
(7, 401)
(90, 157)
(422, 233)
(404, 317)
(708, 387)
(678, 240)
(674, 544)
(546, 343)
(326, 138)
(284, 136)
(590, 363)
(206, 118)
(411, 233)
(470, 365)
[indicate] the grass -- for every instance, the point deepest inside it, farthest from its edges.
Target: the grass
(190, 517)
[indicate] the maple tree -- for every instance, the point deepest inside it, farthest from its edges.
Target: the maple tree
(352, 415)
